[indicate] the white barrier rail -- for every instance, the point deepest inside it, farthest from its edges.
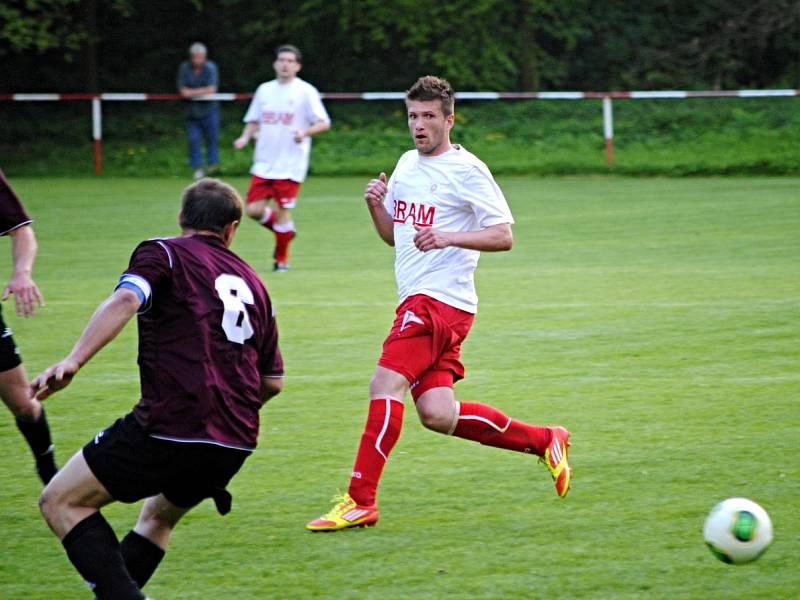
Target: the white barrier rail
(606, 97)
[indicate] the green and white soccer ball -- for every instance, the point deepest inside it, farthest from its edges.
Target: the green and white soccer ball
(737, 531)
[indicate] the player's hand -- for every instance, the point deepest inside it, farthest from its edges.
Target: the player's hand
(428, 238)
(26, 294)
(240, 142)
(376, 190)
(299, 135)
(54, 378)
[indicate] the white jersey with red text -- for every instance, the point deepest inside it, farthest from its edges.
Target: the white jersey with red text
(280, 109)
(453, 191)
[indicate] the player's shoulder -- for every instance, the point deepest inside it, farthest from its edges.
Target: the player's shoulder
(463, 156)
(158, 245)
(466, 162)
(304, 85)
(266, 86)
(407, 159)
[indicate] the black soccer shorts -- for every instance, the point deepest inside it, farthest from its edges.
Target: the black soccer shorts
(9, 353)
(132, 466)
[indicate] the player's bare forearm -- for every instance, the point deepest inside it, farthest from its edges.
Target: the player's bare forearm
(318, 127)
(106, 322)
(21, 285)
(23, 248)
(495, 238)
(247, 134)
(383, 223)
(374, 195)
(188, 92)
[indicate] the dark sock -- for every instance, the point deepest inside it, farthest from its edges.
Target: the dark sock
(37, 434)
(141, 557)
(93, 548)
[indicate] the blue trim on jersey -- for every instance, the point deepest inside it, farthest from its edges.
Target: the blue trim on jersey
(139, 285)
(132, 286)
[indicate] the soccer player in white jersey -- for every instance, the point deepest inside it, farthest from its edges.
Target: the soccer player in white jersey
(440, 208)
(286, 112)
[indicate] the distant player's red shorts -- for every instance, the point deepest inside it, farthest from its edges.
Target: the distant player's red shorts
(284, 191)
(424, 344)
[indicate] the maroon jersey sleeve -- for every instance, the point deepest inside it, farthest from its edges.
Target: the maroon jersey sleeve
(151, 261)
(12, 213)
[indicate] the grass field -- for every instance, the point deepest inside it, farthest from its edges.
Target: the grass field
(658, 319)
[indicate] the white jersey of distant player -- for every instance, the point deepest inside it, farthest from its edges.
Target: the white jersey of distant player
(280, 110)
(453, 191)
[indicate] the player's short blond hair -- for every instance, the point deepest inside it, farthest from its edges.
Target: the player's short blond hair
(433, 88)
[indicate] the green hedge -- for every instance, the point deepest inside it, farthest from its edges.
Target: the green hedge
(653, 137)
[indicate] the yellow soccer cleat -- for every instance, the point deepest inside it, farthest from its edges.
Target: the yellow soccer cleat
(555, 458)
(345, 514)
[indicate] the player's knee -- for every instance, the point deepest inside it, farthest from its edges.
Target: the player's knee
(156, 525)
(254, 211)
(434, 418)
(28, 411)
(48, 504)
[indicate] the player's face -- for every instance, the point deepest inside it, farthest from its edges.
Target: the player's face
(286, 66)
(430, 128)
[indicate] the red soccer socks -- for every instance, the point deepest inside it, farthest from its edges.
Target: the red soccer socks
(384, 422)
(284, 233)
(487, 425)
(268, 218)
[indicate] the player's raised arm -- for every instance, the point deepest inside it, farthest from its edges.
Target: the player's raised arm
(26, 293)
(374, 195)
(106, 322)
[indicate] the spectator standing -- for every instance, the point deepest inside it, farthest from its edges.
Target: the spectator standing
(198, 76)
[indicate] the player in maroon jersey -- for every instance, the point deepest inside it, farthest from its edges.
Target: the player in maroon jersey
(208, 360)
(29, 413)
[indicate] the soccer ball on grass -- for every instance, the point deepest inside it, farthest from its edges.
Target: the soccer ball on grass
(737, 531)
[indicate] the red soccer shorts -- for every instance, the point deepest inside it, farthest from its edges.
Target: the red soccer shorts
(424, 345)
(284, 191)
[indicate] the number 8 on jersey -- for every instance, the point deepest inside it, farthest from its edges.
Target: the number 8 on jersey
(235, 293)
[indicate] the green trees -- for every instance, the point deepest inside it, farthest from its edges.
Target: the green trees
(356, 45)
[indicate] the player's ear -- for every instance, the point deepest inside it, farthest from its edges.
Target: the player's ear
(228, 232)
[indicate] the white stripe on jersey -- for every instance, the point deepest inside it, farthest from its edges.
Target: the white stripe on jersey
(140, 283)
(166, 249)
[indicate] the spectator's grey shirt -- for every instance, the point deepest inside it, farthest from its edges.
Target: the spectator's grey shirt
(198, 109)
